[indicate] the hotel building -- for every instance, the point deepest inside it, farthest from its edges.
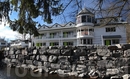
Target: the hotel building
(87, 30)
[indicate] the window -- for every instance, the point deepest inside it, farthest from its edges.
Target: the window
(40, 37)
(88, 18)
(52, 35)
(91, 30)
(68, 43)
(89, 41)
(115, 41)
(2, 43)
(44, 34)
(44, 44)
(93, 20)
(84, 19)
(86, 41)
(67, 34)
(110, 29)
(54, 43)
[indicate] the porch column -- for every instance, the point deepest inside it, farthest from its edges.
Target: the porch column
(80, 32)
(88, 31)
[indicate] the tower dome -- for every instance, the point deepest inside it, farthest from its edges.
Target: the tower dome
(85, 17)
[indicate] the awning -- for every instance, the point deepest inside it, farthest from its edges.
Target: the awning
(112, 36)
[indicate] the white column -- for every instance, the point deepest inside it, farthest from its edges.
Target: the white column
(47, 35)
(88, 31)
(102, 40)
(77, 41)
(80, 32)
(47, 43)
(61, 36)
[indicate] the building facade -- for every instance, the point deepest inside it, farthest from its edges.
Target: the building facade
(87, 30)
(3, 43)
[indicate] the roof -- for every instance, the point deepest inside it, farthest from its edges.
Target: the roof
(85, 11)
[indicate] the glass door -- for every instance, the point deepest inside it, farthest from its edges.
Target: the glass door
(107, 42)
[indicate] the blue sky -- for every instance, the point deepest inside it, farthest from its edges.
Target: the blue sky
(7, 33)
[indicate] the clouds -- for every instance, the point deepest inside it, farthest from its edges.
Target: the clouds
(6, 32)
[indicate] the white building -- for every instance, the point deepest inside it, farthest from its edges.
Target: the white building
(3, 43)
(86, 31)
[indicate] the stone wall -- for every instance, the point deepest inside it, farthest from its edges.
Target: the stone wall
(78, 61)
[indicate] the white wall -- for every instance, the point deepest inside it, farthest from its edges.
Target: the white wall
(100, 31)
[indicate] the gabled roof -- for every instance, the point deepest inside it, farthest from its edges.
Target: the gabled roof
(56, 24)
(85, 11)
(70, 23)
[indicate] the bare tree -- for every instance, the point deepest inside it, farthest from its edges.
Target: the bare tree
(113, 8)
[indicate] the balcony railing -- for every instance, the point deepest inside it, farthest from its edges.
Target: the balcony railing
(85, 34)
(51, 37)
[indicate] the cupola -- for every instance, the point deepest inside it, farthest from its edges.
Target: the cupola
(85, 17)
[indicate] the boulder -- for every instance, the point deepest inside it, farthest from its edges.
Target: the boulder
(18, 52)
(127, 53)
(43, 50)
(32, 67)
(112, 71)
(40, 63)
(110, 64)
(63, 58)
(82, 75)
(83, 50)
(53, 51)
(103, 52)
(29, 62)
(55, 66)
(116, 77)
(12, 56)
(94, 73)
(66, 52)
(52, 59)
(24, 52)
(7, 60)
(47, 64)
(37, 57)
(32, 57)
(126, 76)
(82, 58)
(35, 51)
(126, 46)
(102, 63)
(81, 68)
(63, 73)
(14, 61)
(35, 62)
(44, 58)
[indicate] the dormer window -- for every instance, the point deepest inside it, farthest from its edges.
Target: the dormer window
(84, 19)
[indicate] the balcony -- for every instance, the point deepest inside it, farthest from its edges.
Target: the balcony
(85, 34)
